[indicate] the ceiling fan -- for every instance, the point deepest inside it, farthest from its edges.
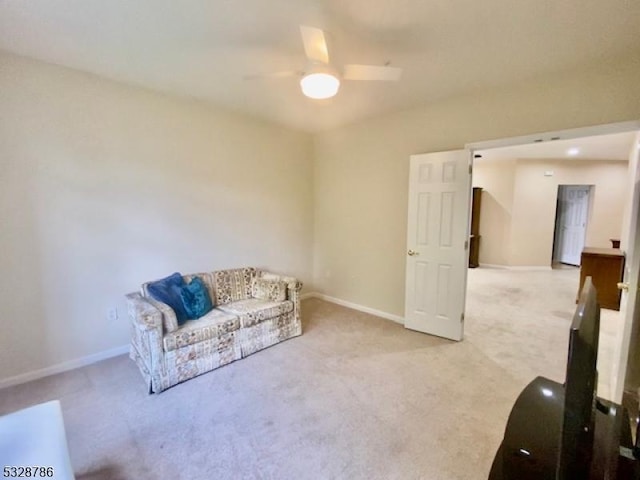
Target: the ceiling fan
(320, 79)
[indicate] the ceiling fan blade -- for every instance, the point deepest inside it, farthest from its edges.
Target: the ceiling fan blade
(371, 72)
(258, 76)
(315, 45)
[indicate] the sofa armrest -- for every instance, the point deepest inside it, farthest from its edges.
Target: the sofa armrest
(142, 313)
(146, 334)
(293, 290)
(293, 284)
(169, 319)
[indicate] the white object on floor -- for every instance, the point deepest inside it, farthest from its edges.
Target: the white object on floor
(35, 437)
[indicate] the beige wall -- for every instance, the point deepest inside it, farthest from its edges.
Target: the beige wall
(86, 164)
(497, 178)
(521, 233)
(104, 186)
(361, 171)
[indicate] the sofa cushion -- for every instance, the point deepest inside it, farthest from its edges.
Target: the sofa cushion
(195, 299)
(167, 290)
(273, 290)
(233, 285)
(254, 310)
(214, 324)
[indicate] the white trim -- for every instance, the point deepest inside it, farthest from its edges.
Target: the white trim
(530, 267)
(355, 306)
(592, 131)
(63, 367)
(515, 267)
(307, 295)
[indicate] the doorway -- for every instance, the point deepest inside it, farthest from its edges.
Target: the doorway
(517, 224)
(572, 214)
(530, 234)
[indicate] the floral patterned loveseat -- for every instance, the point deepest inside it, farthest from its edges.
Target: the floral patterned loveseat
(253, 310)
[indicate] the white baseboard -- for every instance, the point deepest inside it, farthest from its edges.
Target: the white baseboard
(491, 265)
(516, 268)
(114, 352)
(355, 306)
(532, 267)
(63, 367)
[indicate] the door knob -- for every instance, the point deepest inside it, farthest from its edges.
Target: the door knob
(412, 253)
(624, 286)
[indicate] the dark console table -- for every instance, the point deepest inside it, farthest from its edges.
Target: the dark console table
(605, 267)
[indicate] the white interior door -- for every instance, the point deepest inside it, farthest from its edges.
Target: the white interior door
(573, 204)
(630, 299)
(437, 243)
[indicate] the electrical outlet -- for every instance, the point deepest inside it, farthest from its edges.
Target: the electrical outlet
(112, 314)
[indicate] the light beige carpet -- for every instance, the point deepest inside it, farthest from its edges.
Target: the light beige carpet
(521, 320)
(355, 397)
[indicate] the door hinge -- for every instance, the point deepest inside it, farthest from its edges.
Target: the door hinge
(470, 169)
(466, 244)
(462, 317)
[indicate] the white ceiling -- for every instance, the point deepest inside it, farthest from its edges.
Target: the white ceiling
(204, 48)
(615, 146)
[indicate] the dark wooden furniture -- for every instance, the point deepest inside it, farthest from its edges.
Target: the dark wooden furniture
(605, 267)
(474, 238)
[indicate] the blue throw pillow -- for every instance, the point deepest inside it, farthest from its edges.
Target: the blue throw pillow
(168, 291)
(196, 299)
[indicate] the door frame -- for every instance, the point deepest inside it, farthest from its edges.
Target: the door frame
(619, 368)
(592, 131)
(558, 237)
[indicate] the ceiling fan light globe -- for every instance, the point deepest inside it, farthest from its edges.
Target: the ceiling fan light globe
(319, 85)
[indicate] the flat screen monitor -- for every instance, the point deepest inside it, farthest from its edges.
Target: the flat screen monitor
(576, 443)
